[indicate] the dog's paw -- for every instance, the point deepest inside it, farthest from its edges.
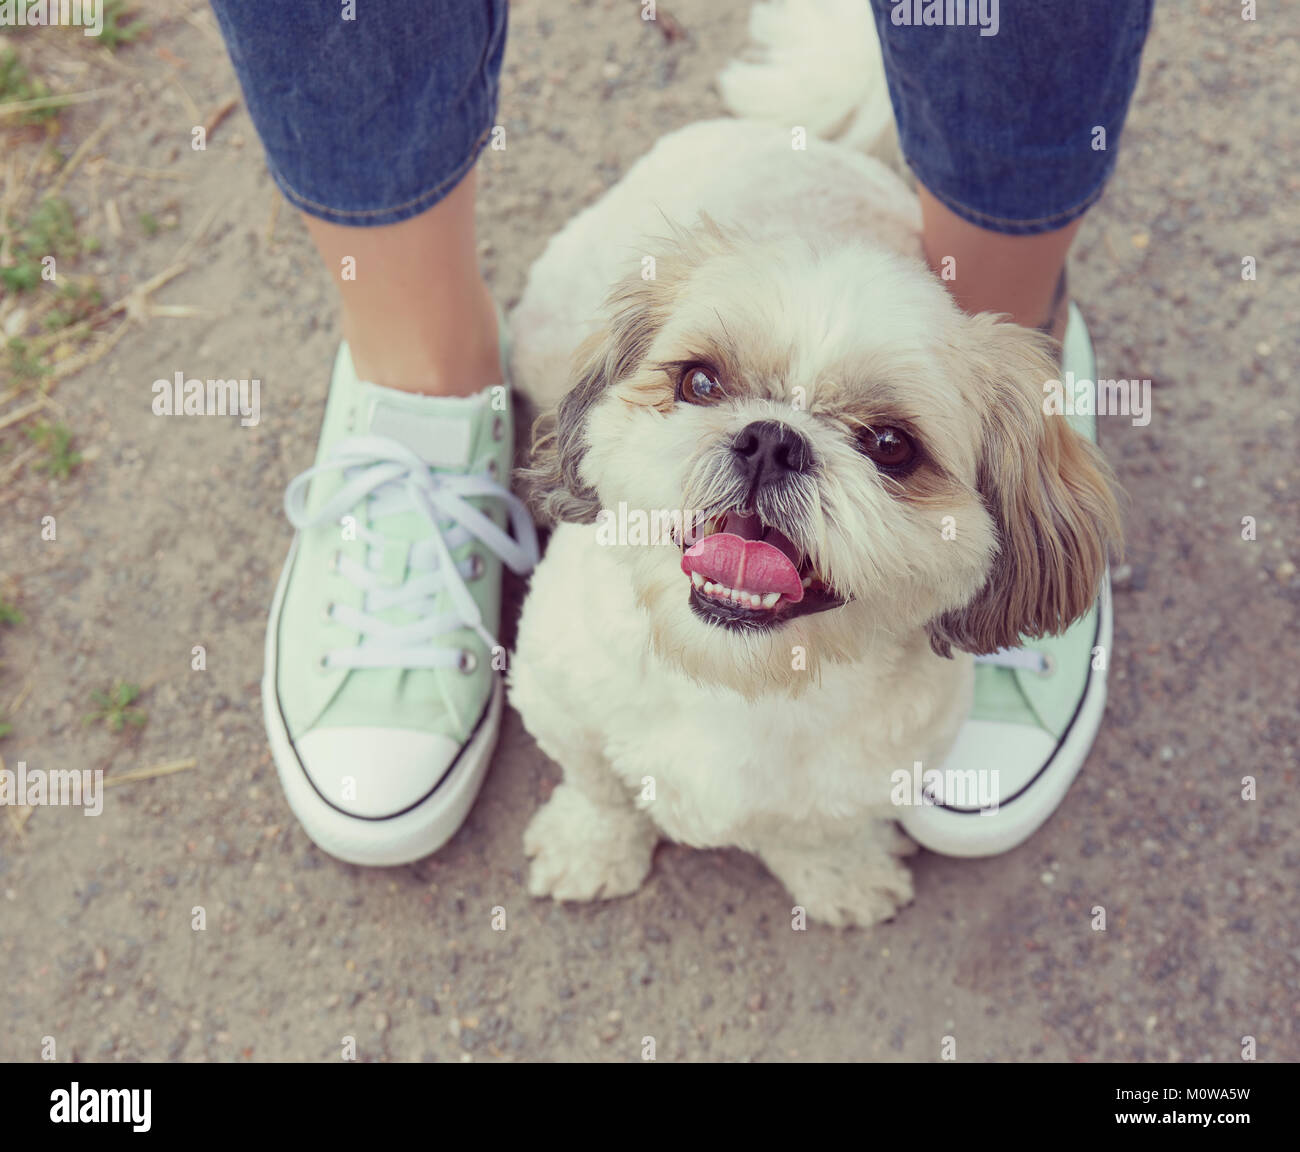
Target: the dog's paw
(844, 889)
(583, 851)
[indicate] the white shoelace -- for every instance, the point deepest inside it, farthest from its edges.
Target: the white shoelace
(1025, 658)
(392, 479)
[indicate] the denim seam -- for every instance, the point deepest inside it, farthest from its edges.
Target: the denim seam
(974, 216)
(433, 193)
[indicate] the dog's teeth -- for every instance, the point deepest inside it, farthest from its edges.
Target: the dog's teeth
(736, 596)
(807, 581)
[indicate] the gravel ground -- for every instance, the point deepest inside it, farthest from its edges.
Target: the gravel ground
(171, 535)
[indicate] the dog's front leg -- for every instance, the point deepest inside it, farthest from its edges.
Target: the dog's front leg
(588, 841)
(857, 880)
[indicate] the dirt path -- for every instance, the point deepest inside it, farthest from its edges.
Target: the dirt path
(171, 535)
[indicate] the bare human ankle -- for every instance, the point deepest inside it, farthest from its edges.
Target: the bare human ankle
(1018, 276)
(450, 352)
(417, 314)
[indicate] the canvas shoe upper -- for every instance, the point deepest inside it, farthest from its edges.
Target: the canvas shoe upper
(381, 680)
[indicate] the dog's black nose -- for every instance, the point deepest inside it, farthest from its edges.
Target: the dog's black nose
(768, 451)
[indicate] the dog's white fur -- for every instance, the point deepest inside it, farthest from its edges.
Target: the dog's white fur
(805, 267)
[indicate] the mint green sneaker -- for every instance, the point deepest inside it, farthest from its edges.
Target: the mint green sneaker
(380, 692)
(1036, 713)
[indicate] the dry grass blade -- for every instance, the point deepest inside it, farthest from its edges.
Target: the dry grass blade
(224, 109)
(169, 768)
(17, 463)
(190, 105)
(74, 364)
(146, 173)
(19, 814)
(18, 817)
(21, 698)
(83, 150)
(135, 305)
(18, 107)
(22, 413)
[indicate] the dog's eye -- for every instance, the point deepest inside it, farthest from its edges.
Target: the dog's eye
(890, 449)
(699, 385)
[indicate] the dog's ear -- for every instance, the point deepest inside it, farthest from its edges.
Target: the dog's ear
(1050, 492)
(636, 310)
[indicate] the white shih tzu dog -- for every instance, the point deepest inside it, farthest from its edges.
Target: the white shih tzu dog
(839, 487)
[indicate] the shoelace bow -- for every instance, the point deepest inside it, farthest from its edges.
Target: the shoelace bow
(392, 479)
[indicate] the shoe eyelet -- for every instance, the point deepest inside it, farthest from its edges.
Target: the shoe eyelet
(1048, 665)
(323, 665)
(493, 469)
(468, 661)
(476, 566)
(335, 561)
(498, 427)
(327, 613)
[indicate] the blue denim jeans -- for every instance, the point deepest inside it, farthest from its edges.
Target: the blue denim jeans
(373, 120)
(1016, 131)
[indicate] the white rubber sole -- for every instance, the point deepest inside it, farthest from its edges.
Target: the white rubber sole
(388, 841)
(950, 832)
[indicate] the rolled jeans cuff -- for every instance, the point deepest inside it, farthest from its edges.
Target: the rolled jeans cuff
(371, 120)
(1011, 115)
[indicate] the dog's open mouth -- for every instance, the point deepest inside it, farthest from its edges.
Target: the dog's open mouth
(745, 574)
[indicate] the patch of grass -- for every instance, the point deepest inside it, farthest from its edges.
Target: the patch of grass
(76, 302)
(55, 440)
(51, 230)
(22, 366)
(16, 85)
(52, 227)
(22, 276)
(116, 30)
(5, 729)
(149, 224)
(9, 614)
(114, 707)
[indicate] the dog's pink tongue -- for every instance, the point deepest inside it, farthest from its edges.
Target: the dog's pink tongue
(751, 565)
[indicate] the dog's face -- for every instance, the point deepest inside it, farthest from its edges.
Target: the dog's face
(826, 456)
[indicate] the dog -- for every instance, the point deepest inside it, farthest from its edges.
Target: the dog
(839, 486)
